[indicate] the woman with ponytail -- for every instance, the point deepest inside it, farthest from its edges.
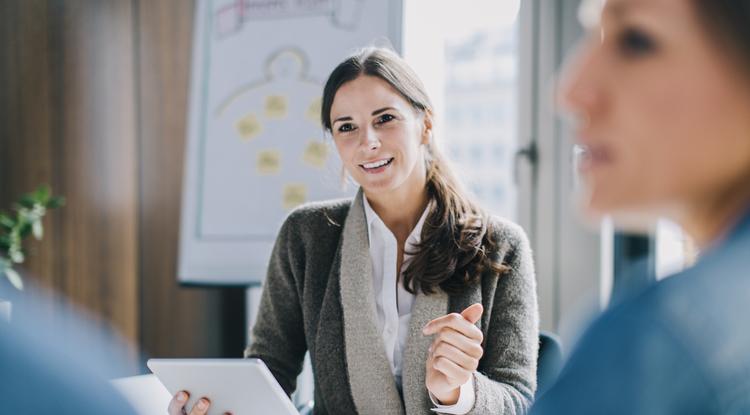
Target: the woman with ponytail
(409, 298)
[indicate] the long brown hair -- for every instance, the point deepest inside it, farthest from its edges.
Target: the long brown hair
(457, 236)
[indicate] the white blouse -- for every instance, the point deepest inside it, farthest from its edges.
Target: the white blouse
(394, 304)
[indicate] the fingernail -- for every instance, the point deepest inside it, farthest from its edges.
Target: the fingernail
(202, 404)
(181, 397)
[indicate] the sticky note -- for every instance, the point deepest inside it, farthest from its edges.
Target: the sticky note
(248, 127)
(294, 194)
(269, 162)
(316, 153)
(276, 106)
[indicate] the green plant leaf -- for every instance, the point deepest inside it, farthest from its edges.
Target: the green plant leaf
(6, 221)
(26, 220)
(56, 202)
(42, 194)
(24, 230)
(14, 278)
(27, 201)
(17, 256)
(37, 230)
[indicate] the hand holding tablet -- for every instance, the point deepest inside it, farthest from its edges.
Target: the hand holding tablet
(177, 406)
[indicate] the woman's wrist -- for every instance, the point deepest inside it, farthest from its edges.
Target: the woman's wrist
(448, 398)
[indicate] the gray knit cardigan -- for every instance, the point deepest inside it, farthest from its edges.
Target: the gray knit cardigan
(318, 297)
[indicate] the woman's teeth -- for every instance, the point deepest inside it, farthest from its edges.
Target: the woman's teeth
(376, 164)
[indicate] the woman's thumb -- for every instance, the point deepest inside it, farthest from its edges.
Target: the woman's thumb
(473, 313)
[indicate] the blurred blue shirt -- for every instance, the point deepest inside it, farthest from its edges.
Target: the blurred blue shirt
(681, 346)
(54, 361)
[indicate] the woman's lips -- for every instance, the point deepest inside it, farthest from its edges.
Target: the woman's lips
(376, 166)
(591, 157)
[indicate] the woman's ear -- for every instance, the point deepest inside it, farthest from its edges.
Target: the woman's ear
(427, 127)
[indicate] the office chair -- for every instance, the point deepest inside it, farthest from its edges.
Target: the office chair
(549, 362)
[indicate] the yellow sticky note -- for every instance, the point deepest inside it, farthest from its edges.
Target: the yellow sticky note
(276, 106)
(316, 154)
(269, 162)
(294, 195)
(313, 111)
(248, 127)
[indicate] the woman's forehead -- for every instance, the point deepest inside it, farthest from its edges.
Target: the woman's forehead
(366, 92)
(591, 12)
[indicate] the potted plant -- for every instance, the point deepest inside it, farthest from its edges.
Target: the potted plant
(24, 220)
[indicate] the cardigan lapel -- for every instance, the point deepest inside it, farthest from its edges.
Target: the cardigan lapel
(372, 384)
(426, 308)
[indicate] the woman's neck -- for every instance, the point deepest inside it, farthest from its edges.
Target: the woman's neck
(399, 210)
(709, 220)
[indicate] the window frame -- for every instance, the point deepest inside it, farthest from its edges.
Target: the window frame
(571, 275)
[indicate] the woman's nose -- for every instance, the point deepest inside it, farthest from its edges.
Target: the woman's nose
(371, 140)
(579, 92)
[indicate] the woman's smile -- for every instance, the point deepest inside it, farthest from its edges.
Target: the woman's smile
(377, 166)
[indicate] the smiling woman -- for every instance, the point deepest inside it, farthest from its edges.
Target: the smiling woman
(391, 153)
(408, 297)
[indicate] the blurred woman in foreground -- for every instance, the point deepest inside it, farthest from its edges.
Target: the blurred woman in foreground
(661, 92)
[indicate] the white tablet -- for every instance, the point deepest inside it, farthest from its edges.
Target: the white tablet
(239, 386)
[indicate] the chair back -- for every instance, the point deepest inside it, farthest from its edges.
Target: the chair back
(549, 362)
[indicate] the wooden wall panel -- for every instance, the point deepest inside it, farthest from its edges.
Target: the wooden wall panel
(97, 154)
(176, 321)
(68, 120)
(93, 101)
(26, 114)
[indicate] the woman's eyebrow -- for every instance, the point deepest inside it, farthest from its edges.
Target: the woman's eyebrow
(376, 112)
(344, 118)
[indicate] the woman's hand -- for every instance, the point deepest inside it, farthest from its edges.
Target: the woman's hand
(454, 354)
(177, 405)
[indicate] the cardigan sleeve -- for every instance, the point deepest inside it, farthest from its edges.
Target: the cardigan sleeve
(278, 335)
(505, 381)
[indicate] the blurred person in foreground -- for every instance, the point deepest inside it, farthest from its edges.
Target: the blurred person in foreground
(661, 92)
(53, 360)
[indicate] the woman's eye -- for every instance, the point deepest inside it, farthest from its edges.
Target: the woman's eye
(345, 128)
(635, 42)
(385, 118)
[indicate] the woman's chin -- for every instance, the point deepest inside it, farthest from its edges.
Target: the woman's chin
(375, 187)
(587, 214)
(592, 208)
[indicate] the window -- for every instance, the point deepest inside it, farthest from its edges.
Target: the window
(468, 59)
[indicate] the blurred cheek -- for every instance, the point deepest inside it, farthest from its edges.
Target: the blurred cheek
(645, 141)
(670, 152)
